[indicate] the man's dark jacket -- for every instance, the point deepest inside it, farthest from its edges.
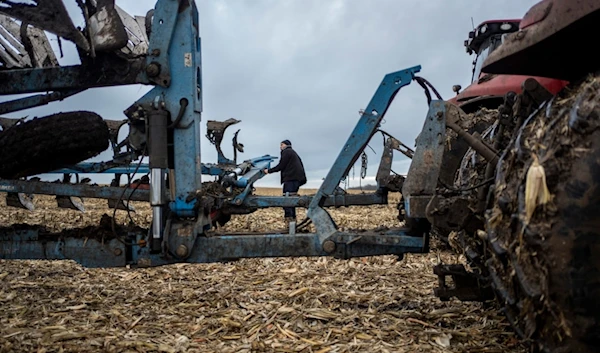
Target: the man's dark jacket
(291, 167)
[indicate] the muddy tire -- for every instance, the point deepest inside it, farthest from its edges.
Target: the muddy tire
(49, 143)
(546, 271)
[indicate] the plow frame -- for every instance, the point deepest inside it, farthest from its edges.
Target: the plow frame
(181, 225)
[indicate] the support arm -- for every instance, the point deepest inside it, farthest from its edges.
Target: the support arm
(366, 127)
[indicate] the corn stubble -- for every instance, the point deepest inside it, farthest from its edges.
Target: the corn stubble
(373, 304)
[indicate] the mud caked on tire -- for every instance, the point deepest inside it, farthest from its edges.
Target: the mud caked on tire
(49, 143)
(546, 269)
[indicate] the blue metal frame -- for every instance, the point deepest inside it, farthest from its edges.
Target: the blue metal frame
(67, 78)
(359, 138)
(249, 201)
(175, 47)
(144, 168)
(36, 101)
(89, 252)
(173, 65)
(77, 190)
(86, 251)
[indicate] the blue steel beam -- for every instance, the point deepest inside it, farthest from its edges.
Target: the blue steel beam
(36, 101)
(256, 171)
(222, 248)
(88, 252)
(211, 169)
(74, 77)
(144, 168)
(109, 192)
(181, 45)
(103, 168)
(304, 201)
(234, 247)
(77, 190)
(364, 130)
(163, 27)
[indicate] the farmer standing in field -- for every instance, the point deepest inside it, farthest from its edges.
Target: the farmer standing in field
(292, 175)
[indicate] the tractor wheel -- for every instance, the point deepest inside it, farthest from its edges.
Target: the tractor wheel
(544, 264)
(45, 144)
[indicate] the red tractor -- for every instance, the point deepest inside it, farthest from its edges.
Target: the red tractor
(488, 90)
(518, 191)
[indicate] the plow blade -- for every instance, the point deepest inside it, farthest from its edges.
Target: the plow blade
(120, 205)
(20, 200)
(70, 202)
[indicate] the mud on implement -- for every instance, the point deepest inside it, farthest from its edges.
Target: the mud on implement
(506, 172)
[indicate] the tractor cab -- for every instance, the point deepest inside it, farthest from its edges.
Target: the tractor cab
(486, 38)
(488, 90)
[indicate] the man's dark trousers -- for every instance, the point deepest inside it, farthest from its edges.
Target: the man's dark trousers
(292, 188)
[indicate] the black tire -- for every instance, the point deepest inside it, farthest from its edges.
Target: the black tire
(56, 141)
(547, 273)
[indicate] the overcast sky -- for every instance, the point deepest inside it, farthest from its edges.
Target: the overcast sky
(302, 69)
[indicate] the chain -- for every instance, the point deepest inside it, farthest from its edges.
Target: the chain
(363, 168)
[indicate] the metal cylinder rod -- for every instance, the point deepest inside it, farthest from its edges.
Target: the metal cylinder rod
(475, 143)
(158, 160)
(157, 223)
(157, 181)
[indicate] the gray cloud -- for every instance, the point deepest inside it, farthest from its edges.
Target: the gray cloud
(302, 69)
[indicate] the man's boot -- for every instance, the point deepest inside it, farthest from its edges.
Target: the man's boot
(287, 221)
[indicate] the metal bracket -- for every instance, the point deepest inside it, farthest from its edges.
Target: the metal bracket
(163, 26)
(467, 287)
(422, 179)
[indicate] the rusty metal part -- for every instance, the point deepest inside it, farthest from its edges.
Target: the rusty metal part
(329, 246)
(422, 178)
(453, 115)
(182, 251)
(550, 41)
(113, 128)
(106, 28)
(153, 69)
(397, 145)
(24, 46)
(237, 147)
(385, 165)
(384, 178)
(538, 93)
(48, 15)
(215, 130)
(467, 286)
(455, 151)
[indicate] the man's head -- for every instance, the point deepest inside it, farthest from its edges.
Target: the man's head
(285, 144)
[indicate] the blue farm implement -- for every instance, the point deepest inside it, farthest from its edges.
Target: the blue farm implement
(493, 171)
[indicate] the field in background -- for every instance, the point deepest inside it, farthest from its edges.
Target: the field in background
(373, 304)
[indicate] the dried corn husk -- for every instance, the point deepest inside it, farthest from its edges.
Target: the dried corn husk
(536, 189)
